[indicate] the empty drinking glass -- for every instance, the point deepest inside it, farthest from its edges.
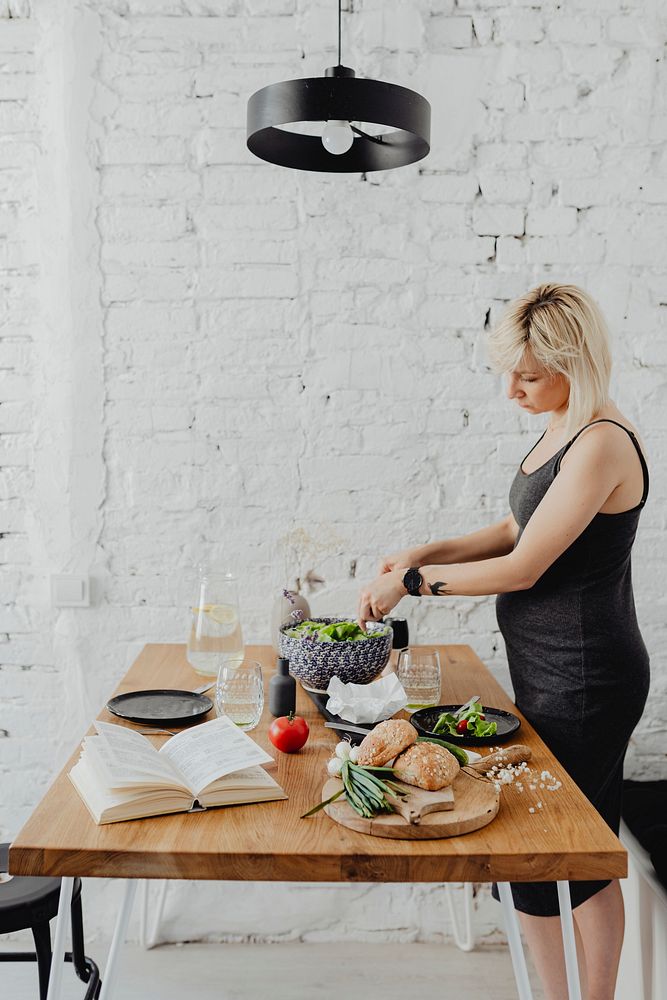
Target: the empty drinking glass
(239, 693)
(419, 672)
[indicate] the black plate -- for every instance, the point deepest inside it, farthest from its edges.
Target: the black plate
(426, 718)
(320, 701)
(165, 707)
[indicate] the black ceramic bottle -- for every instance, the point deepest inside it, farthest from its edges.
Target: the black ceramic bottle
(282, 690)
(400, 640)
(399, 627)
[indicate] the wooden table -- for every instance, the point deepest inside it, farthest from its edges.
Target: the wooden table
(566, 839)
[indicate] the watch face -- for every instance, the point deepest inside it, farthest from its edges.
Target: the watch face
(412, 582)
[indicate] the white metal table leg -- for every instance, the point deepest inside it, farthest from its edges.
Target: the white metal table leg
(62, 923)
(465, 940)
(514, 941)
(159, 910)
(148, 937)
(143, 912)
(569, 943)
(122, 920)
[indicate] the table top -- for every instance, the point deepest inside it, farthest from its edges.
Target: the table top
(565, 839)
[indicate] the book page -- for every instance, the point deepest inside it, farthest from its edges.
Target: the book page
(128, 758)
(252, 784)
(247, 777)
(212, 750)
(109, 805)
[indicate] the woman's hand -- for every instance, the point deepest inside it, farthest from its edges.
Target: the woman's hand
(379, 597)
(406, 558)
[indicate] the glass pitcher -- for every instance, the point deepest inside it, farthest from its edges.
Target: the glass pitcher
(215, 628)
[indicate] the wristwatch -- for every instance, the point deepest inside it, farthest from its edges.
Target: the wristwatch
(413, 581)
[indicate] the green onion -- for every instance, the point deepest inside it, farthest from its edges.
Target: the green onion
(457, 752)
(321, 805)
(367, 794)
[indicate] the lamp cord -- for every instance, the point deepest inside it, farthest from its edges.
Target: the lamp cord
(339, 23)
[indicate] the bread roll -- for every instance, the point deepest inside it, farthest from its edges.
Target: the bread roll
(386, 741)
(426, 765)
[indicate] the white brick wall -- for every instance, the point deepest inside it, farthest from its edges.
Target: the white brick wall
(200, 352)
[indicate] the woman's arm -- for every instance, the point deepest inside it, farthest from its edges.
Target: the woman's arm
(593, 471)
(496, 540)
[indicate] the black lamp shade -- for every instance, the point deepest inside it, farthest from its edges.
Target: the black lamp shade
(342, 98)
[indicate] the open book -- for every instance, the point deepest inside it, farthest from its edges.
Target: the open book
(121, 775)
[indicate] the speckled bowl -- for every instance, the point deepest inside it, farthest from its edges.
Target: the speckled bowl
(315, 663)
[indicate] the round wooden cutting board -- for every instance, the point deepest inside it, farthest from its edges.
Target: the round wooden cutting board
(476, 803)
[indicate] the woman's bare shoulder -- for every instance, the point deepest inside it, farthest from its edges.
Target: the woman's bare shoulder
(612, 413)
(602, 435)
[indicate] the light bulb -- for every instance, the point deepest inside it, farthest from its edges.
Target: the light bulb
(337, 137)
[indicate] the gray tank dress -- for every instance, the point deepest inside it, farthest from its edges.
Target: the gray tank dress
(577, 659)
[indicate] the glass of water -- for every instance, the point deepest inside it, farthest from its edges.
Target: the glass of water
(419, 672)
(239, 693)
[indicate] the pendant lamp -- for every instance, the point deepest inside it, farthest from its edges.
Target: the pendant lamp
(339, 103)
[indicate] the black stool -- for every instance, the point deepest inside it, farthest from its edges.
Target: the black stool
(32, 902)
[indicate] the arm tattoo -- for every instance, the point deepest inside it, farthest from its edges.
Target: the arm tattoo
(439, 588)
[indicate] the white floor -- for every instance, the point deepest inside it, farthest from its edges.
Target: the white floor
(291, 972)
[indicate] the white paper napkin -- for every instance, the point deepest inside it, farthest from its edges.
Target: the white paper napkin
(372, 702)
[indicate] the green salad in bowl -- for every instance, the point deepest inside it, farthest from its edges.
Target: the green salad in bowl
(321, 648)
(345, 631)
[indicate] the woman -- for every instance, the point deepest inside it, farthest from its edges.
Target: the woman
(560, 565)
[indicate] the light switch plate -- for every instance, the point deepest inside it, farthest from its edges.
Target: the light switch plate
(70, 590)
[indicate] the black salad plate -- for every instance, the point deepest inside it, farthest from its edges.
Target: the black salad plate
(425, 719)
(166, 707)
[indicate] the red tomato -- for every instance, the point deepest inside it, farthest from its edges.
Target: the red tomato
(462, 727)
(288, 733)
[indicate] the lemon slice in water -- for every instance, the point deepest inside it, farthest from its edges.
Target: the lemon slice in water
(225, 617)
(222, 614)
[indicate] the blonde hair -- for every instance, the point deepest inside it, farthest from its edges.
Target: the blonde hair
(566, 334)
